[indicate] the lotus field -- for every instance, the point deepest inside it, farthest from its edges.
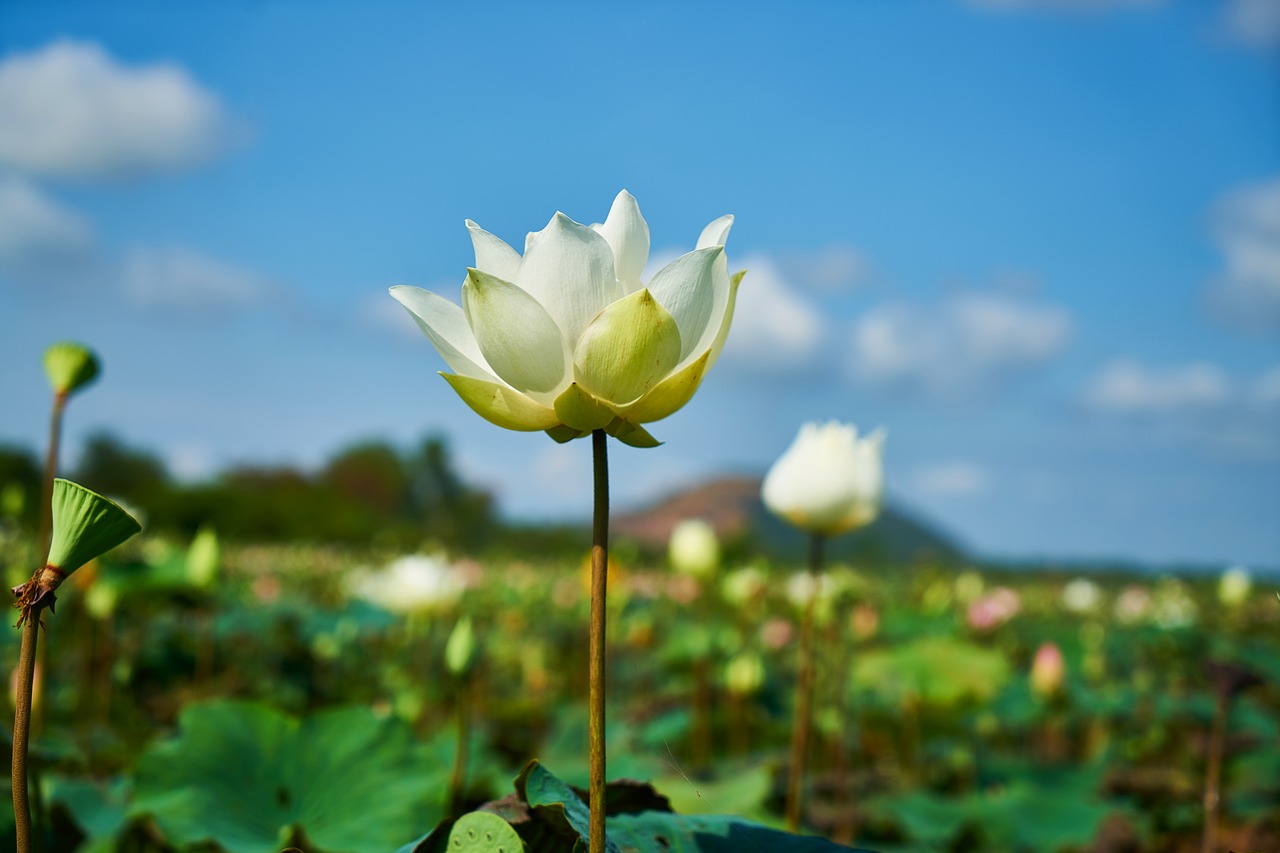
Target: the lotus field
(367, 660)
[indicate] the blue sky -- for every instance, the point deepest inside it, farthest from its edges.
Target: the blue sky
(1037, 241)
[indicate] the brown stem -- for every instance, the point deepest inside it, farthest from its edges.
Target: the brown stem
(50, 471)
(1213, 774)
(599, 582)
(739, 739)
(802, 721)
(701, 728)
(22, 729)
(846, 822)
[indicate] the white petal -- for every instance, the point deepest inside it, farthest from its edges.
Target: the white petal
(686, 287)
(628, 236)
(828, 481)
(716, 233)
(519, 339)
(568, 268)
(493, 255)
(446, 327)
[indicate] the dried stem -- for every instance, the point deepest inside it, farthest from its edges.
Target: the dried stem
(599, 580)
(22, 728)
(802, 721)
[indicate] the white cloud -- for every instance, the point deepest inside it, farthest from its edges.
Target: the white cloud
(950, 479)
(187, 281)
(1255, 23)
(774, 328)
(1198, 403)
(1125, 386)
(36, 231)
(959, 347)
(1246, 228)
(835, 269)
(69, 110)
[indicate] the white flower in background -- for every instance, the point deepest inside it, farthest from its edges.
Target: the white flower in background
(828, 481)
(743, 586)
(694, 549)
(568, 339)
(411, 584)
(1173, 606)
(1234, 586)
(803, 586)
(1081, 596)
(1133, 604)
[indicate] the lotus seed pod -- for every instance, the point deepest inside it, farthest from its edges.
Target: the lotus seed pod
(459, 651)
(70, 366)
(85, 525)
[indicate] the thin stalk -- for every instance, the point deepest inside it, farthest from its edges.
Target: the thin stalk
(50, 471)
(802, 721)
(1213, 775)
(599, 582)
(22, 730)
(701, 728)
(458, 778)
(846, 823)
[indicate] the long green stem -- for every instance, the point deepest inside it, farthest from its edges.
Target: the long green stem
(50, 471)
(802, 721)
(22, 729)
(599, 584)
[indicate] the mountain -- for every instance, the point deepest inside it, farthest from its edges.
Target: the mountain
(733, 507)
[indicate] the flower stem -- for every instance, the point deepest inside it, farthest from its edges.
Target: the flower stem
(599, 579)
(1212, 775)
(457, 779)
(22, 730)
(50, 471)
(802, 721)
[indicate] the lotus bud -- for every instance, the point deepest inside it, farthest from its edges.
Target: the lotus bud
(1234, 587)
(745, 674)
(204, 559)
(828, 481)
(459, 651)
(69, 366)
(694, 549)
(1081, 596)
(1048, 671)
(85, 525)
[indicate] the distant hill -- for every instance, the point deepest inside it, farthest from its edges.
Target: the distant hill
(733, 507)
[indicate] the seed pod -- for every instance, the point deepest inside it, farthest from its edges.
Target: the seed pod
(70, 366)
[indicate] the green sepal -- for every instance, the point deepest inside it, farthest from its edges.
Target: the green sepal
(501, 405)
(70, 366)
(85, 525)
(670, 395)
(564, 434)
(581, 411)
(631, 434)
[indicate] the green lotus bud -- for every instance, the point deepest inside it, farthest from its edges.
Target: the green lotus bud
(70, 366)
(694, 549)
(745, 674)
(204, 559)
(85, 525)
(459, 651)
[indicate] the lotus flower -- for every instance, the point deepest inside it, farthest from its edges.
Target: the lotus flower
(694, 549)
(829, 481)
(568, 339)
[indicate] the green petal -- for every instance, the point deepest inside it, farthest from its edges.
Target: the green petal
(631, 434)
(670, 394)
(564, 434)
(70, 366)
(516, 335)
(85, 525)
(628, 349)
(501, 405)
(580, 411)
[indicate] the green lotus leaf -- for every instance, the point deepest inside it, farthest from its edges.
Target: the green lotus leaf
(937, 671)
(248, 778)
(85, 525)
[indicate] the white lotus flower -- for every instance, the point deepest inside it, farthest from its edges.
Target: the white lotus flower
(568, 339)
(829, 481)
(411, 584)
